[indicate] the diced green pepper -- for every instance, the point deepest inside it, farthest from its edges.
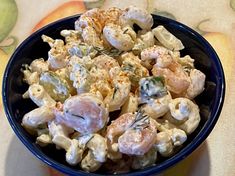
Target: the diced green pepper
(55, 86)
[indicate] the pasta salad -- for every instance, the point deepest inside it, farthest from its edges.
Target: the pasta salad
(111, 96)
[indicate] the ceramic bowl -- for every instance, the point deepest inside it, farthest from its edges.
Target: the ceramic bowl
(210, 101)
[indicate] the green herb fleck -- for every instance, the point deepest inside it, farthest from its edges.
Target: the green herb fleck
(78, 116)
(114, 92)
(125, 31)
(128, 67)
(112, 53)
(89, 140)
(141, 120)
(158, 79)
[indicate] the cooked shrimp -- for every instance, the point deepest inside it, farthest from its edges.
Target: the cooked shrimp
(119, 93)
(134, 15)
(119, 126)
(118, 37)
(137, 142)
(159, 53)
(85, 113)
(135, 133)
(176, 78)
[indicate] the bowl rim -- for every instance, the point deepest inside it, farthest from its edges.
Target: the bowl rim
(183, 153)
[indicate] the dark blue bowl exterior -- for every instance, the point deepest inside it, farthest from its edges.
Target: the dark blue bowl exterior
(210, 101)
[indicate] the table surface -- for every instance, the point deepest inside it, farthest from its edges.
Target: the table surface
(214, 19)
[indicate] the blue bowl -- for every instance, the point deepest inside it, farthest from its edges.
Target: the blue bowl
(210, 101)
